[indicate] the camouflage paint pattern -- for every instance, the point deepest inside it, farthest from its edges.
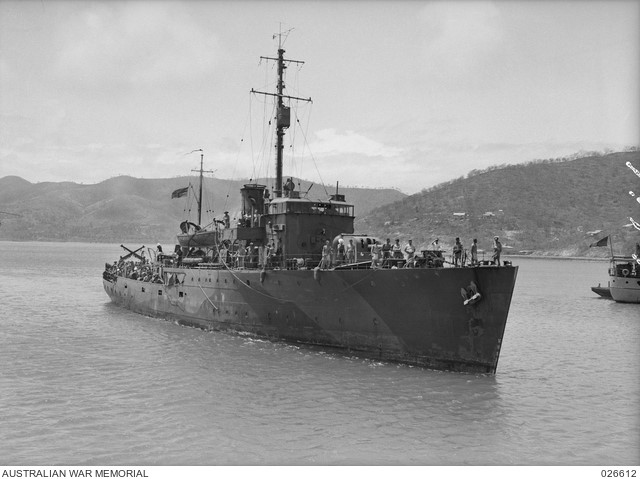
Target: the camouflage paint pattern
(414, 316)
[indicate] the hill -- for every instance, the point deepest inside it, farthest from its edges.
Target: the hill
(543, 207)
(126, 209)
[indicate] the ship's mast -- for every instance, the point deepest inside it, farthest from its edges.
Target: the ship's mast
(283, 114)
(201, 171)
(281, 122)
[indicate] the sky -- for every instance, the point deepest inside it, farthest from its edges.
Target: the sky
(405, 94)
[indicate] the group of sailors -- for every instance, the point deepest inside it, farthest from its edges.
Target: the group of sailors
(137, 270)
(385, 255)
(388, 255)
(341, 252)
(392, 255)
(249, 255)
(461, 256)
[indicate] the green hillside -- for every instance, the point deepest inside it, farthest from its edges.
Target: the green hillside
(543, 207)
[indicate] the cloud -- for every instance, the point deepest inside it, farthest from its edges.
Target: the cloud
(133, 43)
(330, 142)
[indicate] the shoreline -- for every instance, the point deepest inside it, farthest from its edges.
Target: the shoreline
(538, 256)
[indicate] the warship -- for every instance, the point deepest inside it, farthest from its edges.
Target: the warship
(291, 268)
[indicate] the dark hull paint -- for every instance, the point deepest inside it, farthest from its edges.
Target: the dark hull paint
(414, 316)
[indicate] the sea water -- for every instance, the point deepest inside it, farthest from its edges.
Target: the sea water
(84, 382)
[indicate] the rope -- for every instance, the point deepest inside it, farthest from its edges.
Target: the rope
(208, 299)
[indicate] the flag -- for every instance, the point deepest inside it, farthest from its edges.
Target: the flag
(180, 192)
(603, 242)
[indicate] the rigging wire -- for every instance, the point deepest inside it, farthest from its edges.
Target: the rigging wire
(314, 161)
(292, 136)
(298, 128)
(237, 160)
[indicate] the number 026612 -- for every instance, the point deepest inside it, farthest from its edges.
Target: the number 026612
(618, 473)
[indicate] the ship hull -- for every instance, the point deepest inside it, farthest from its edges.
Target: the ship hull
(413, 316)
(625, 290)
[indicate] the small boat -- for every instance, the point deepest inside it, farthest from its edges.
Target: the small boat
(603, 291)
(624, 275)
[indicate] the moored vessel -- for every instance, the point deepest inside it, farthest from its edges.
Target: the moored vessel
(292, 268)
(624, 275)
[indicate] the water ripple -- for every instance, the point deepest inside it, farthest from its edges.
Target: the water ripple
(85, 382)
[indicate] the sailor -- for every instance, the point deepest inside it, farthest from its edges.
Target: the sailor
(497, 249)
(435, 245)
(177, 254)
(270, 254)
(325, 263)
(277, 255)
(341, 251)
(376, 249)
(409, 250)
(289, 186)
(251, 256)
(457, 253)
(241, 253)
(226, 219)
(397, 249)
(159, 252)
(351, 252)
(474, 252)
(386, 252)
